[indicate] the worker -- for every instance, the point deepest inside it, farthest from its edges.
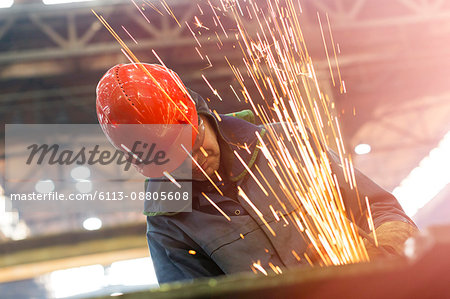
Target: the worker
(203, 242)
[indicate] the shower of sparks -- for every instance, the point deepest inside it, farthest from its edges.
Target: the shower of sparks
(124, 29)
(370, 220)
(260, 268)
(204, 152)
(172, 179)
(130, 152)
(237, 97)
(326, 49)
(167, 8)
(200, 9)
(153, 7)
(279, 66)
(140, 10)
(296, 255)
(251, 173)
(335, 55)
(199, 24)
(202, 170)
(257, 211)
(199, 53)
(128, 57)
(218, 175)
(209, 61)
(217, 207)
(193, 34)
(214, 91)
(273, 268)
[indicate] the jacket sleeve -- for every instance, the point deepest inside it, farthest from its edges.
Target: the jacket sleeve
(383, 205)
(177, 257)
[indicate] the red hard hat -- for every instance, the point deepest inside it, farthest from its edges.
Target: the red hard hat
(146, 94)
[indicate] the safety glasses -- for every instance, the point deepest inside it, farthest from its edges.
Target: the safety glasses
(200, 136)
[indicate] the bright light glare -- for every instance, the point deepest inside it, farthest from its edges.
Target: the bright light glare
(426, 180)
(70, 282)
(82, 280)
(84, 186)
(50, 2)
(92, 223)
(80, 173)
(6, 3)
(132, 272)
(45, 186)
(362, 149)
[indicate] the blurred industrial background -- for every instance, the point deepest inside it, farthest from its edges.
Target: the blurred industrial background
(394, 113)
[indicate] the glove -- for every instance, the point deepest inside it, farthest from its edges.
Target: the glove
(391, 238)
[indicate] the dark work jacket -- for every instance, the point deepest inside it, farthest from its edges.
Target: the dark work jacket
(222, 246)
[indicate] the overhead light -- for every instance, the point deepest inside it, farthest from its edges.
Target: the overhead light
(92, 223)
(362, 149)
(6, 3)
(51, 2)
(426, 180)
(84, 186)
(80, 173)
(45, 186)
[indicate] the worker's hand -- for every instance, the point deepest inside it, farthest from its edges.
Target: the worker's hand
(391, 238)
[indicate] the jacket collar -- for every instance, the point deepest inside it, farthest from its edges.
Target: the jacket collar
(236, 136)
